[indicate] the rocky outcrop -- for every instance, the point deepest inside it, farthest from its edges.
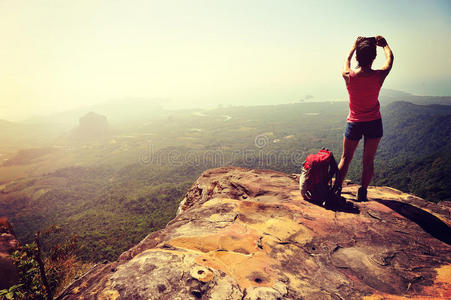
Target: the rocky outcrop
(8, 243)
(249, 234)
(91, 126)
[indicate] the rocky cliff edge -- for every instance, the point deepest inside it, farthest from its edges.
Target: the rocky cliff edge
(249, 234)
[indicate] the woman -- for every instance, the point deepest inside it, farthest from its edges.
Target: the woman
(364, 118)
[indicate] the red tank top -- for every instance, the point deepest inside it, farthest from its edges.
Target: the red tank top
(363, 97)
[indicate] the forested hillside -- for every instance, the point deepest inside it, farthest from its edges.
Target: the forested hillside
(414, 154)
(427, 176)
(108, 210)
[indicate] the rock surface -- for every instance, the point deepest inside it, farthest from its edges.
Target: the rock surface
(8, 243)
(248, 234)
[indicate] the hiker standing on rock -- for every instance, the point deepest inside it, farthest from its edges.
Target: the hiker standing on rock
(364, 116)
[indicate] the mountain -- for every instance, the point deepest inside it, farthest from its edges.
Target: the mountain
(248, 234)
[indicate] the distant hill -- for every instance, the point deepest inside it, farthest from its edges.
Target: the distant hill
(92, 126)
(388, 96)
(124, 111)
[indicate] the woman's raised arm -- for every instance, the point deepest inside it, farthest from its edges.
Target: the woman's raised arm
(381, 42)
(347, 64)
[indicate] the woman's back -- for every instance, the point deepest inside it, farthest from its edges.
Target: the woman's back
(363, 89)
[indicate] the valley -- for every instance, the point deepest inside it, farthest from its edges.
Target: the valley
(111, 187)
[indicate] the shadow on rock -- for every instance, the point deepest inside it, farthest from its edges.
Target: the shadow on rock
(339, 205)
(430, 223)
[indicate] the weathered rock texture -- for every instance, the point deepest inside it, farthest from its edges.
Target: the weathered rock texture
(248, 234)
(8, 243)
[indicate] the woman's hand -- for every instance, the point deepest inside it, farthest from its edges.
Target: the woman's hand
(380, 41)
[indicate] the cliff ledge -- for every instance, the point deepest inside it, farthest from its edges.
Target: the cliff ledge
(248, 234)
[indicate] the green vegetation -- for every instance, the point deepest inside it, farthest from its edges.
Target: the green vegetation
(427, 177)
(40, 276)
(107, 215)
(414, 154)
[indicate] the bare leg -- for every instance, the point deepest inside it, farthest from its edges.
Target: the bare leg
(369, 152)
(349, 147)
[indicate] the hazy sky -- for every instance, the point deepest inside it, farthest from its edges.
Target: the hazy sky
(56, 55)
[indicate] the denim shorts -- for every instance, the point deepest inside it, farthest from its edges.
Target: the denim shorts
(370, 130)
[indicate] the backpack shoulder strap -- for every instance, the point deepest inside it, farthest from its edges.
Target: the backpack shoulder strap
(333, 167)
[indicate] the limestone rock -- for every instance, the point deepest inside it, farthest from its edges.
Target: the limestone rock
(249, 234)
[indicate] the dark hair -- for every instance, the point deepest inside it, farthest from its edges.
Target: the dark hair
(366, 51)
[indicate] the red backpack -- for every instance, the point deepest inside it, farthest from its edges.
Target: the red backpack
(317, 172)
